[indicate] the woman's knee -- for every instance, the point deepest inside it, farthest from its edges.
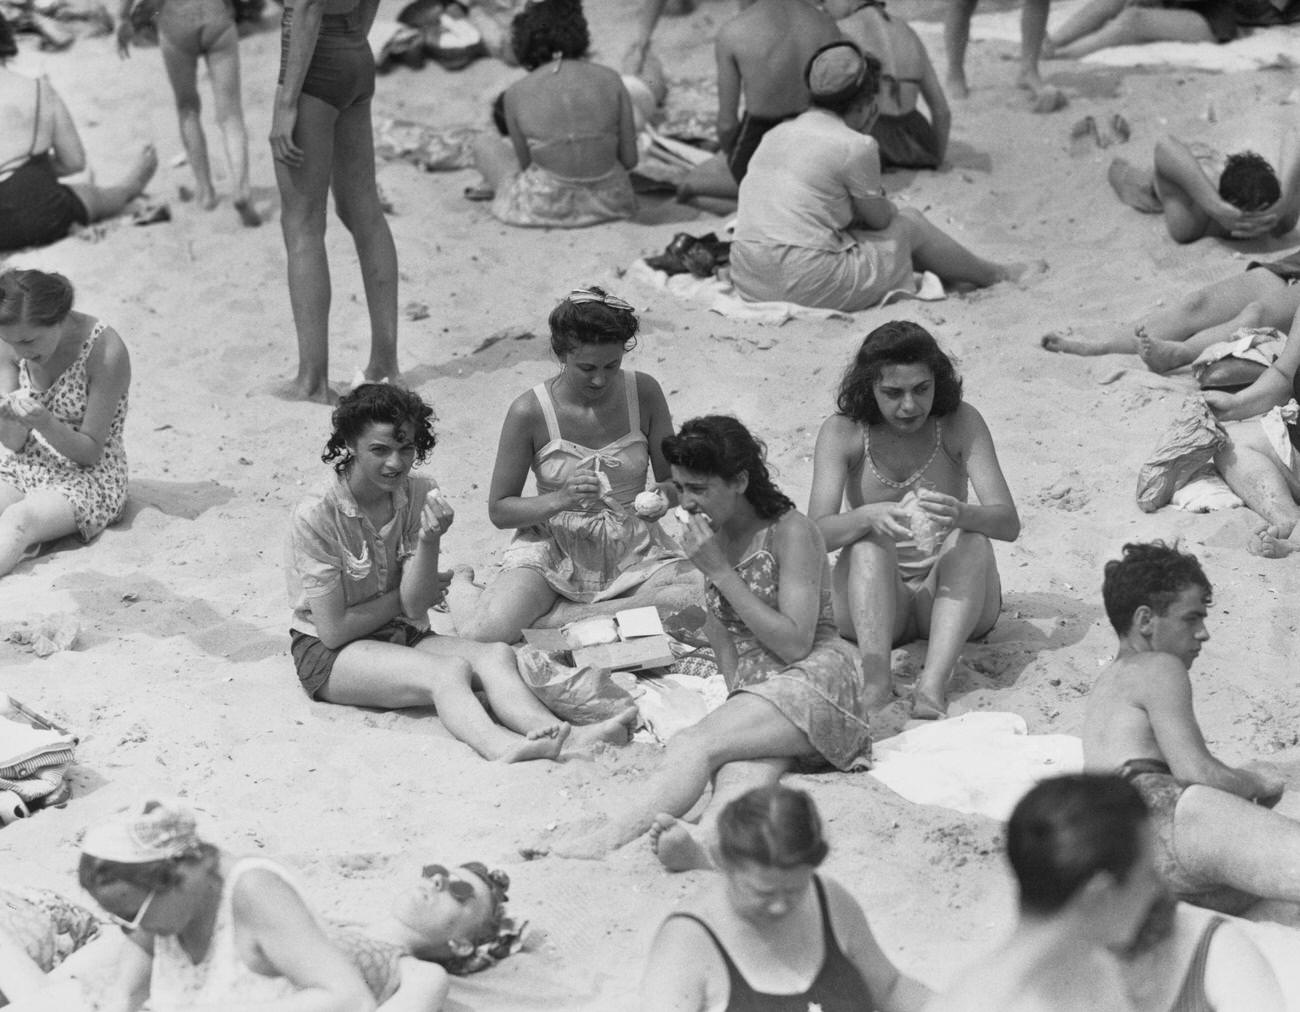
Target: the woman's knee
(19, 523)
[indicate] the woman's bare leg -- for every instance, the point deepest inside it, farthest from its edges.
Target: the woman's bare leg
(1137, 25)
(495, 160)
(182, 72)
(356, 197)
(866, 592)
(1084, 21)
(107, 201)
(1252, 470)
(223, 66)
(935, 250)
(744, 727)
(304, 196)
(511, 603)
(961, 602)
(39, 516)
(392, 677)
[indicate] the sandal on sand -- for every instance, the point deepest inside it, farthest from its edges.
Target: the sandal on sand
(480, 191)
(151, 214)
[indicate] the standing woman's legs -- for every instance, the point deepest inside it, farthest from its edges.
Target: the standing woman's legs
(356, 197)
(304, 194)
(223, 65)
(182, 65)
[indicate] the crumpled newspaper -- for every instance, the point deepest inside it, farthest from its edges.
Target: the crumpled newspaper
(1190, 442)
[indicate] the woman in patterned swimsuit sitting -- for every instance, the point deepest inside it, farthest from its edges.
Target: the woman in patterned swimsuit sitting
(63, 392)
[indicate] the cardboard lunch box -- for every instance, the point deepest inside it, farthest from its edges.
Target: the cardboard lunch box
(632, 640)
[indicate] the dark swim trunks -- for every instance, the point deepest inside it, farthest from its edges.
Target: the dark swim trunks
(1153, 779)
(1287, 268)
(1219, 15)
(906, 142)
(315, 661)
(752, 129)
(342, 68)
(35, 208)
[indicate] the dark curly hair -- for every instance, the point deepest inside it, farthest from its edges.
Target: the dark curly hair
(1067, 830)
(591, 322)
(34, 297)
(720, 445)
(1151, 574)
(547, 27)
(899, 342)
(774, 827)
(1249, 182)
(380, 403)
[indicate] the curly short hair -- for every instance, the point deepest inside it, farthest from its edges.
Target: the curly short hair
(1249, 182)
(591, 321)
(1151, 574)
(720, 445)
(34, 297)
(899, 342)
(383, 404)
(547, 27)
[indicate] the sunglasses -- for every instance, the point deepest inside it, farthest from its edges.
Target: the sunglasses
(461, 891)
(134, 923)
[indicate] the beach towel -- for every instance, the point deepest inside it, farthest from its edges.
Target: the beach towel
(979, 763)
(718, 295)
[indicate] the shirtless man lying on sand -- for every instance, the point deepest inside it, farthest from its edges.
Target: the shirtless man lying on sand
(1267, 294)
(1218, 845)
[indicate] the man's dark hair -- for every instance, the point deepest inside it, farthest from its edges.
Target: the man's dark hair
(1249, 182)
(1149, 573)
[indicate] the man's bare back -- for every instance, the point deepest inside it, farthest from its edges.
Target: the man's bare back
(769, 45)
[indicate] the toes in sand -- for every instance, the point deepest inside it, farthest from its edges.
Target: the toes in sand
(676, 846)
(543, 743)
(617, 730)
(1160, 356)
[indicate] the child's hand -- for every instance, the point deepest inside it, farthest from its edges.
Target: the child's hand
(436, 516)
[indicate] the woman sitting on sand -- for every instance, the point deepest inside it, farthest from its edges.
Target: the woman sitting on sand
(38, 145)
(362, 565)
(572, 131)
(814, 225)
(906, 139)
(770, 932)
(190, 30)
(589, 435)
(447, 922)
(63, 392)
(796, 694)
(915, 560)
(1261, 461)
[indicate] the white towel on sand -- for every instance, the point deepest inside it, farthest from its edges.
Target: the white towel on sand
(979, 763)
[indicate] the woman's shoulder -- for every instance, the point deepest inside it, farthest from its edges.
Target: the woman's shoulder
(842, 434)
(794, 531)
(109, 348)
(964, 424)
(846, 913)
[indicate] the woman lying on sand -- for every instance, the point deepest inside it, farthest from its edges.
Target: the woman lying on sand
(904, 449)
(814, 225)
(796, 696)
(1261, 461)
(63, 392)
(769, 932)
(199, 897)
(363, 573)
(38, 145)
(589, 435)
(572, 131)
(190, 30)
(1265, 295)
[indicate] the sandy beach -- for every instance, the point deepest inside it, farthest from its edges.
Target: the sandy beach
(181, 681)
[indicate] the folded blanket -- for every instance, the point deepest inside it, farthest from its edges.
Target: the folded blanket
(979, 763)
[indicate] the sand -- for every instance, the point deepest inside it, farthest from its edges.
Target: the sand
(181, 681)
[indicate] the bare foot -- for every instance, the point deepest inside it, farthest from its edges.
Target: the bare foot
(1068, 345)
(617, 730)
(1162, 356)
(298, 389)
(1022, 271)
(926, 707)
(955, 84)
(207, 198)
(544, 743)
(676, 846)
(248, 217)
(146, 164)
(1270, 542)
(1134, 186)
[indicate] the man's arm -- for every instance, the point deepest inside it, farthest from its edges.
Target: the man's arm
(728, 93)
(1167, 699)
(1176, 165)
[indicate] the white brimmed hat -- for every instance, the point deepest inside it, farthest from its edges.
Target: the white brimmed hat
(151, 831)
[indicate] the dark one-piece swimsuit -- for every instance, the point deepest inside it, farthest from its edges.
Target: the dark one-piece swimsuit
(838, 986)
